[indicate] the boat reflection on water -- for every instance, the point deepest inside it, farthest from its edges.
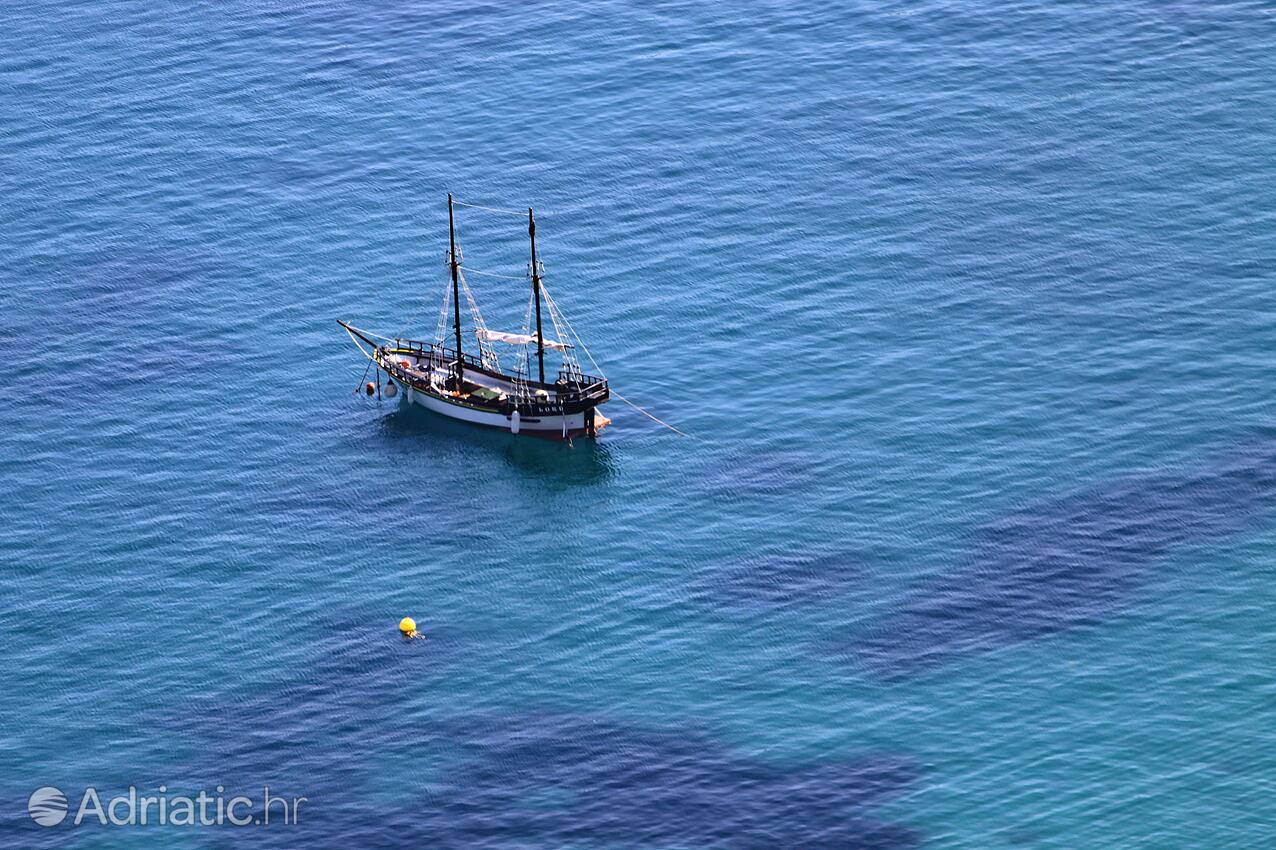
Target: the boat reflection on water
(579, 462)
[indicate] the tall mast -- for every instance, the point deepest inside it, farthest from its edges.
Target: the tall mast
(456, 294)
(536, 291)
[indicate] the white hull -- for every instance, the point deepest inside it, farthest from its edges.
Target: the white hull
(545, 426)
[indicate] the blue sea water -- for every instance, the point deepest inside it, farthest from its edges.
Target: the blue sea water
(968, 308)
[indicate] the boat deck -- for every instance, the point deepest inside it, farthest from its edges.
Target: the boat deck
(435, 372)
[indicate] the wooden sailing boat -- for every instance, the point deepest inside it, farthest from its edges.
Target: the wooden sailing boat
(476, 388)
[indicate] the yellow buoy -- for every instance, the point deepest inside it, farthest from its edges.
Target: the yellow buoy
(408, 626)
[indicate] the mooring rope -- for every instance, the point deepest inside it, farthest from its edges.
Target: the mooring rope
(649, 415)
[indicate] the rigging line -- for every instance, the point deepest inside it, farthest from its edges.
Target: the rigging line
(441, 326)
(370, 333)
(584, 348)
(579, 342)
(493, 274)
(359, 345)
(522, 365)
(486, 353)
(489, 209)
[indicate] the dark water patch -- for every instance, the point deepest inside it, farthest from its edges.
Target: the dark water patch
(760, 474)
(1068, 563)
(549, 781)
(309, 724)
(567, 781)
(760, 582)
(523, 780)
(349, 681)
(142, 319)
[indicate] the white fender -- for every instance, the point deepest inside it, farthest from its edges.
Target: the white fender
(391, 390)
(514, 417)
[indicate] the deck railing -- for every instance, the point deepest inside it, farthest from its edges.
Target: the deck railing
(435, 350)
(581, 387)
(589, 388)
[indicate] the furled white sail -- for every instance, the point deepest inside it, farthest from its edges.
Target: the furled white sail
(519, 339)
